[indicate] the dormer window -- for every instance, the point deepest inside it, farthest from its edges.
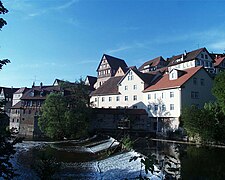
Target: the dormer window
(32, 93)
(41, 93)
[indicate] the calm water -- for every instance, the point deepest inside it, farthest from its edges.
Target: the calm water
(189, 162)
(193, 163)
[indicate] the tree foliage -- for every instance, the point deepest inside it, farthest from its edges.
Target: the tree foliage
(66, 114)
(7, 140)
(219, 89)
(207, 123)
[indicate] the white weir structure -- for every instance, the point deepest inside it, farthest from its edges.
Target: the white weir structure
(113, 167)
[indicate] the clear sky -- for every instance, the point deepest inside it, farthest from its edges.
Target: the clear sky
(65, 39)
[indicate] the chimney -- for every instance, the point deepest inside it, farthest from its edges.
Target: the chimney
(185, 53)
(41, 84)
(33, 85)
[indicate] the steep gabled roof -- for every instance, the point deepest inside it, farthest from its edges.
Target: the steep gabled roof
(166, 83)
(8, 92)
(92, 80)
(151, 63)
(145, 77)
(114, 62)
(108, 87)
(22, 90)
(188, 57)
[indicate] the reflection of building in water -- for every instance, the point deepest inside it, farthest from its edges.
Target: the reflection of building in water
(167, 156)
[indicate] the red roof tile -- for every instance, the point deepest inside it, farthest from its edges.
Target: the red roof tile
(165, 83)
(218, 60)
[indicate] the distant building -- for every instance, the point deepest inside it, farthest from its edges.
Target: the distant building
(6, 95)
(108, 67)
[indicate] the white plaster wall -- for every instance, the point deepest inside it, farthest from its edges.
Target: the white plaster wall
(98, 103)
(182, 66)
(162, 98)
(131, 92)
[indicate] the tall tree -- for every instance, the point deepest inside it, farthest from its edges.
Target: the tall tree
(53, 116)
(7, 140)
(66, 114)
(219, 89)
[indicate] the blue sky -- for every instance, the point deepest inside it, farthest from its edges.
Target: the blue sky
(65, 39)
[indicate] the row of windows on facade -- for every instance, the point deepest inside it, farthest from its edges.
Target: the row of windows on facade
(134, 87)
(161, 108)
(104, 72)
(24, 111)
(195, 81)
(32, 103)
(134, 97)
(194, 95)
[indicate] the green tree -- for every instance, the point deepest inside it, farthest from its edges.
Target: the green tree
(53, 116)
(7, 140)
(66, 114)
(207, 123)
(219, 89)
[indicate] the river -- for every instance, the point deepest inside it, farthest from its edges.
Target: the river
(87, 160)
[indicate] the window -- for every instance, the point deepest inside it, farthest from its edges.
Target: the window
(96, 99)
(126, 87)
(197, 62)
(195, 81)
(202, 55)
(171, 107)
(110, 98)
(206, 56)
(149, 96)
(17, 120)
(149, 107)
(155, 95)
(24, 111)
(134, 107)
(194, 95)
(126, 98)
(135, 87)
(117, 98)
(156, 107)
(163, 107)
(171, 94)
(103, 99)
(130, 78)
(29, 111)
(162, 95)
(202, 82)
(13, 120)
(135, 97)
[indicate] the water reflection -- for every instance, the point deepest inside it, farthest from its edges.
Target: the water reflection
(187, 161)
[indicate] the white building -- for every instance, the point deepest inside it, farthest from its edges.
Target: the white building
(162, 93)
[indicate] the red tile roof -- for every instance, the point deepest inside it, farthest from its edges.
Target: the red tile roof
(165, 83)
(218, 60)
